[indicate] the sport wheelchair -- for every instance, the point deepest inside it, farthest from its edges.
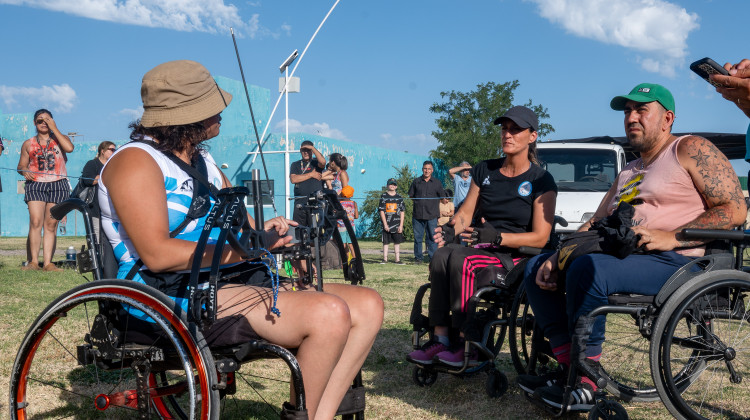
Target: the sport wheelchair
(492, 312)
(693, 335)
(121, 349)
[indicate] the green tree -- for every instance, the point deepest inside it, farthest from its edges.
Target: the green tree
(369, 211)
(466, 129)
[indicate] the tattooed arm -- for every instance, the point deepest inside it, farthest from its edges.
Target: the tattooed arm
(716, 181)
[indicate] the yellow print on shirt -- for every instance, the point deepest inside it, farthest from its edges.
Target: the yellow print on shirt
(629, 192)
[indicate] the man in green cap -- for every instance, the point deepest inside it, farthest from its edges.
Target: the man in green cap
(677, 183)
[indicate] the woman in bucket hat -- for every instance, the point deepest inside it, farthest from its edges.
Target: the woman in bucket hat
(181, 110)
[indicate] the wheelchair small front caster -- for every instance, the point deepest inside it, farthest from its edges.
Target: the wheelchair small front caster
(609, 410)
(497, 383)
(424, 377)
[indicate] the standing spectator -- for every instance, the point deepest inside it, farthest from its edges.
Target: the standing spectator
(352, 212)
(335, 176)
(391, 209)
(90, 178)
(446, 208)
(306, 174)
(461, 175)
(736, 89)
(42, 163)
(426, 192)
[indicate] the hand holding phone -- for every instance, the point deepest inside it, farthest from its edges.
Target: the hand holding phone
(705, 67)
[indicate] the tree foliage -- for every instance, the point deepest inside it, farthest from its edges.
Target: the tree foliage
(466, 129)
(369, 214)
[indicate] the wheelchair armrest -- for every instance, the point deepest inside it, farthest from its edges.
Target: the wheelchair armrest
(59, 210)
(735, 236)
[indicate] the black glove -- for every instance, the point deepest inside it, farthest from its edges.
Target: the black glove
(449, 233)
(486, 234)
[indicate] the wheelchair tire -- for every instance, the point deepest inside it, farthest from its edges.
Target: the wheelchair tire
(699, 355)
(497, 383)
(63, 370)
(526, 360)
(424, 377)
(609, 410)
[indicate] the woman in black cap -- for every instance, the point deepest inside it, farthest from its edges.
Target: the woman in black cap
(515, 200)
(332, 331)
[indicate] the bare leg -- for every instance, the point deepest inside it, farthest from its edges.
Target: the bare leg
(36, 221)
(317, 324)
(385, 253)
(397, 252)
(50, 234)
(366, 308)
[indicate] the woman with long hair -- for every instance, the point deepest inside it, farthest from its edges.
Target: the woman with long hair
(335, 175)
(144, 194)
(514, 200)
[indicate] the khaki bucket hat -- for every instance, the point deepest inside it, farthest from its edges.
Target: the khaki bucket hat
(180, 92)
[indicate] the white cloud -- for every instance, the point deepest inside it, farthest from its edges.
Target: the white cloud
(657, 29)
(210, 16)
(321, 129)
(417, 143)
(60, 98)
(132, 114)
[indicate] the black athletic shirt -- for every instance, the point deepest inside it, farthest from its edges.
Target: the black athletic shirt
(507, 203)
(307, 186)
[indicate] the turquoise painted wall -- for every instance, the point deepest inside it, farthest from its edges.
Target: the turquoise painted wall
(231, 147)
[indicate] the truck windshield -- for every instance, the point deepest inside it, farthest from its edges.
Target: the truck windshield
(580, 169)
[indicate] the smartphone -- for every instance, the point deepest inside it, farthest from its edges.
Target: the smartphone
(706, 67)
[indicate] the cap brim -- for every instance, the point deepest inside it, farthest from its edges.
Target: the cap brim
(618, 102)
(519, 122)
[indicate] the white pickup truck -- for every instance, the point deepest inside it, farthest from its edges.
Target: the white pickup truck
(583, 172)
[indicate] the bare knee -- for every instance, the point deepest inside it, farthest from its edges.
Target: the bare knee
(329, 314)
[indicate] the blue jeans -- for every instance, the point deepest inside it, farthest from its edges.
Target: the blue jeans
(589, 280)
(419, 231)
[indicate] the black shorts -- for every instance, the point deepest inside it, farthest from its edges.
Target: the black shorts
(47, 192)
(395, 237)
(301, 215)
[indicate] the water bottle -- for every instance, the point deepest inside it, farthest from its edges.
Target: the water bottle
(70, 255)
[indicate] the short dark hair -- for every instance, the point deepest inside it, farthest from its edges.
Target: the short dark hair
(40, 112)
(306, 143)
(428, 162)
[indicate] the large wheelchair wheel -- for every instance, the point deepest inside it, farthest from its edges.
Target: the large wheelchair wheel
(701, 347)
(527, 359)
(625, 360)
(76, 361)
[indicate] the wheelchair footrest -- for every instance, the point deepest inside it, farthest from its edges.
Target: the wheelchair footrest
(353, 402)
(288, 412)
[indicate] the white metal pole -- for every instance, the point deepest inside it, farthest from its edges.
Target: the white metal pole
(287, 183)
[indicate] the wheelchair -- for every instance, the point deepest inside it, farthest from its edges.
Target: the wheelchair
(691, 336)
(121, 349)
(493, 312)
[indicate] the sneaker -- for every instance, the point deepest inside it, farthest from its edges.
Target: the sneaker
(425, 355)
(581, 398)
(455, 358)
(51, 267)
(31, 267)
(530, 383)
(399, 262)
(383, 262)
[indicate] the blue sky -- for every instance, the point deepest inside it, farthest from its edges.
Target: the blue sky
(375, 68)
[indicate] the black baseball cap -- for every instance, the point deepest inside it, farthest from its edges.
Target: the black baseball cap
(392, 181)
(522, 116)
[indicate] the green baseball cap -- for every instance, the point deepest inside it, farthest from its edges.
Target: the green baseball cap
(644, 93)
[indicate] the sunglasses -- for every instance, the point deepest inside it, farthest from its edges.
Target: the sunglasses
(39, 121)
(514, 130)
(112, 149)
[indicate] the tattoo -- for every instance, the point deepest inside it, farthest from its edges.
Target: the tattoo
(715, 180)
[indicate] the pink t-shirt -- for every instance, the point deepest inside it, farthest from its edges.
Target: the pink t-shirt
(662, 193)
(47, 163)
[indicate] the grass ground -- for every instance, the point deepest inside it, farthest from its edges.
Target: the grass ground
(391, 393)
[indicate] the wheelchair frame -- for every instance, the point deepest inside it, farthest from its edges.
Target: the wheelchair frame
(207, 374)
(656, 318)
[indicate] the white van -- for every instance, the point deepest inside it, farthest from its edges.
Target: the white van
(583, 173)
